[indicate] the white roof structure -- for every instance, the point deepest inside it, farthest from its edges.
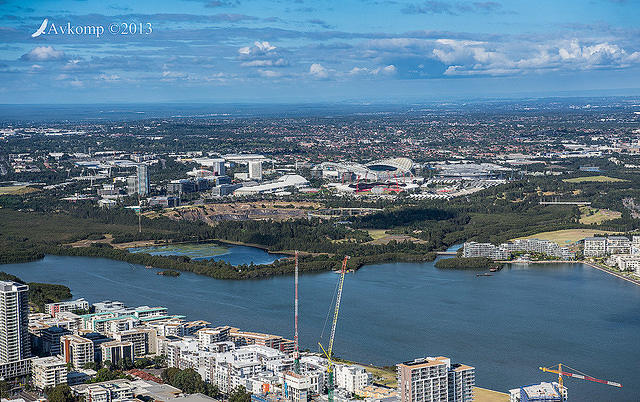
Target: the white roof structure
(280, 184)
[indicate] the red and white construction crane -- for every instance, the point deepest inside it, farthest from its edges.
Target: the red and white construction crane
(577, 374)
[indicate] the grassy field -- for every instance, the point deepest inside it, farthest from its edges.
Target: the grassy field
(487, 395)
(16, 190)
(595, 216)
(377, 233)
(599, 179)
(566, 236)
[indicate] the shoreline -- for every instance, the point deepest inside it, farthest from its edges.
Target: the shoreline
(591, 264)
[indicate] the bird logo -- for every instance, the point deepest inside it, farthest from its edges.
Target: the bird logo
(40, 30)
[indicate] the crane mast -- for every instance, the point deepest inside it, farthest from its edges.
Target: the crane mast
(296, 348)
(329, 351)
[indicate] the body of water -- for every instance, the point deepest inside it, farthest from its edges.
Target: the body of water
(506, 325)
(234, 255)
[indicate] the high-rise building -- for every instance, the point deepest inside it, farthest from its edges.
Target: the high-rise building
(77, 350)
(139, 183)
(255, 170)
(435, 379)
(15, 343)
(143, 179)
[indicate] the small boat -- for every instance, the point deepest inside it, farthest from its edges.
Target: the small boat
(148, 266)
(484, 274)
(493, 269)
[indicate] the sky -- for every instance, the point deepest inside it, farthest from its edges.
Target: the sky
(303, 51)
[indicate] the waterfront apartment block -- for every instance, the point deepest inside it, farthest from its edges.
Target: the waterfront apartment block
(435, 379)
(15, 344)
(625, 262)
(69, 306)
(488, 250)
(505, 250)
(48, 372)
(618, 245)
(595, 247)
(76, 350)
(424, 380)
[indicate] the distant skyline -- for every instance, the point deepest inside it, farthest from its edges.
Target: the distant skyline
(315, 51)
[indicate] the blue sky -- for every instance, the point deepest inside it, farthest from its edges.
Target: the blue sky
(316, 51)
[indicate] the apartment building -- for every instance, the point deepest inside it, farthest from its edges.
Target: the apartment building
(488, 250)
(115, 351)
(69, 306)
(595, 247)
(351, 378)
(48, 372)
(77, 350)
(435, 379)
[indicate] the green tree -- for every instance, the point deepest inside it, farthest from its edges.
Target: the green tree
(61, 393)
(240, 394)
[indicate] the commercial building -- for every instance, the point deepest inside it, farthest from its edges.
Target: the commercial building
(15, 344)
(77, 350)
(48, 372)
(69, 306)
(435, 379)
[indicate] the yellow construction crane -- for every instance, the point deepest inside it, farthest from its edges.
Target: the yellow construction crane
(329, 351)
(577, 374)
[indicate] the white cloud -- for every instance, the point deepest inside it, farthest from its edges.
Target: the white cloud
(269, 73)
(43, 53)
(316, 70)
(107, 77)
(388, 70)
(258, 48)
(266, 63)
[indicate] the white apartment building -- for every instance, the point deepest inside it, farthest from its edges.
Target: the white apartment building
(625, 262)
(69, 306)
(595, 247)
(48, 372)
(618, 245)
(351, 378)
(76, 350)
(488, 250)
(109, 391)
(15, 343)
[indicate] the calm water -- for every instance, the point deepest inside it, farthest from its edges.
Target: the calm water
(235, 255)
(505, 325)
